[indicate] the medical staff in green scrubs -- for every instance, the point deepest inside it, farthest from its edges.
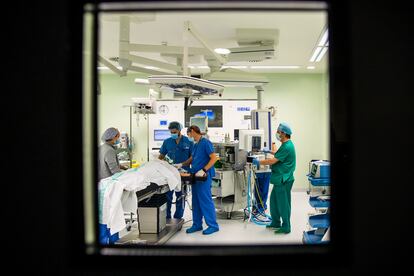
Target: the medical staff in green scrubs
(283, 166)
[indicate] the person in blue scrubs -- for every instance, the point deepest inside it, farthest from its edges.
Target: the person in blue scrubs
(202, 164)
(178, 148)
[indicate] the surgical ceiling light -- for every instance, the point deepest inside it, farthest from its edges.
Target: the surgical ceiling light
(201, 86)
(310, 67)
(185, 86)
(236, 78)
(222, 51)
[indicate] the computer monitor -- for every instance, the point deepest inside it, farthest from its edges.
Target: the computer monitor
(251, 139)
(161, 134)
(236, 134)
(201, 122)
(214, 113)
(256, 143)
(314, 169)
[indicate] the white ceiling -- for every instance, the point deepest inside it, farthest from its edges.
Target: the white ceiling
(299, 33)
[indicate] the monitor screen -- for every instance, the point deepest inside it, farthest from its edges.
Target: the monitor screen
(313, 170)
(161, 134)
(200, 122)
(236, 134)
(213, 112)
(256, 143)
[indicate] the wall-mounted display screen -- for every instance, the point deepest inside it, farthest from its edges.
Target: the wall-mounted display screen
(213, 112)
(161, 134)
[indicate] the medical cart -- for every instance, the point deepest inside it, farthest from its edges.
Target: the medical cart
(319, 222)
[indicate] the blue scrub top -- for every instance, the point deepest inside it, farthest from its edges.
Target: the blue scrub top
(177, 152)
(201, 156)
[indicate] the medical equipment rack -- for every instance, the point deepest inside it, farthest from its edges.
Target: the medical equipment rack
(317, 185)
(319, 222)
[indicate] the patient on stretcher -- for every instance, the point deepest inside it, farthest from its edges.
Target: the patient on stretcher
(117, 194)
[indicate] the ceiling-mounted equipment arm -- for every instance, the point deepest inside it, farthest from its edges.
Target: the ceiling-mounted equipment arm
(144, 70)
(186, 103)
(124, 38)
(200, 39)
(163, 49)
(155, 63)
(126, 59)
(111, 67)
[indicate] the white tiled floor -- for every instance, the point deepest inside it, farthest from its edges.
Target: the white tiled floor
(235, 231)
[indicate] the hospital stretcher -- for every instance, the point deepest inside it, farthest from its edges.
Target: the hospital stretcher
(146, 194)
(172, 225)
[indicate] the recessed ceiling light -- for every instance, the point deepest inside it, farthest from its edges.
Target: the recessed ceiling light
(310, 67)
(321, 54)
(315, 54)
(324, 38)
(151, 67)
(203, 67)
(141, 81)
(222, 51)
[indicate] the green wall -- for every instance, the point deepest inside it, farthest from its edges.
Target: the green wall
(301, 100)
(115, 93)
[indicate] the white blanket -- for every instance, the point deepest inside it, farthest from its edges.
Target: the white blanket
(117, 193)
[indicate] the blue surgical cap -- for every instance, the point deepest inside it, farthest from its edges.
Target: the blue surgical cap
(175, 125)
(109, 134)
(285, 128)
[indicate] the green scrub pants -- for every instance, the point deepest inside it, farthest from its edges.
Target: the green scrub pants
(280, 205)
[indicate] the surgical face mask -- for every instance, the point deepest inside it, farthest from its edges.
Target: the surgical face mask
(117, 142)
(174, 135)
(191, 139)
(278, 136)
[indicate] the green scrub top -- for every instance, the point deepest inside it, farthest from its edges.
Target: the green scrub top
(282, 170)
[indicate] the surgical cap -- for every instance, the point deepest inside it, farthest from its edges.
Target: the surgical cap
(109, 134)
(285, 128)
(175, 125)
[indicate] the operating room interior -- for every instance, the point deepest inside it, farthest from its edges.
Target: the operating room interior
(283, 73)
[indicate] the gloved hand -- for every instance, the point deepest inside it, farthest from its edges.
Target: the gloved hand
(178, 166)
(256, 162)
(200, 173)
